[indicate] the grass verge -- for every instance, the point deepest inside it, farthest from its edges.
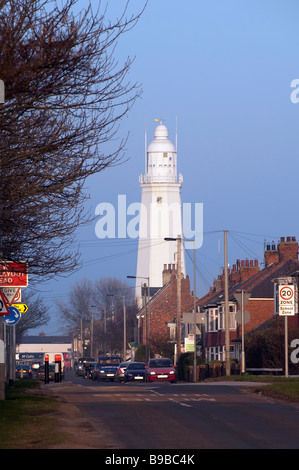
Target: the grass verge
(279, 387)
(27, 419)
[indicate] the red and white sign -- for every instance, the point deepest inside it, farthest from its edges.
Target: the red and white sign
(3, 307)
(11, 294)
(13, 274)
(286, 299)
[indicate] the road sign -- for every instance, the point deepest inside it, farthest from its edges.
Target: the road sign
(13, 274)
(21, 307)
(239, 317)
(13, 317)
(286, 299)
(246, 315)
(238, 297)
(3, 307)
(11, 294)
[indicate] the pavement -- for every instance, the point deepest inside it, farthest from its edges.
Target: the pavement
(79, 430)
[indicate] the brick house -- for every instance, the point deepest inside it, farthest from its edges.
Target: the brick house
(245, 275)
(163, 310)
(280, 261)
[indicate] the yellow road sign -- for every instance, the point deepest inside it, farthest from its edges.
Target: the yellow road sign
(21, 307)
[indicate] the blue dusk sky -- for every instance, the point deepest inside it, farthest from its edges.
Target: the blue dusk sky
(222, 70)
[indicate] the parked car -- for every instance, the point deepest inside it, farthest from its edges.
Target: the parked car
(136, 371)
(23, 371)
(107, 367)
(80, 370)
(120, 375)
(41, 372)
(160, 369)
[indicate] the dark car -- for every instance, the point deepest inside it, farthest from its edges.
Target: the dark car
(107, 367)
(136, 371)
(23, 371)
(121, 371)
(160, 369)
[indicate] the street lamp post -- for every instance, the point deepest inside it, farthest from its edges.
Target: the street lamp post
(227, 336)
(147, 316)
(178, 239)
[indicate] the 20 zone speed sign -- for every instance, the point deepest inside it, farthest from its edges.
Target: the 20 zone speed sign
(286, 300)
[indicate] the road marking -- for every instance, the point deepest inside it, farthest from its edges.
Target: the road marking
(156, 396)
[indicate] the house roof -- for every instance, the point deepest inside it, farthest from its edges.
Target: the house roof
(46, 339)
(260, 285)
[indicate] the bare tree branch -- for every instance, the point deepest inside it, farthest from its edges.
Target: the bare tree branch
(65, 97)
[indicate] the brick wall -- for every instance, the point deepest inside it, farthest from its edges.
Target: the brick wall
(241, 271)
(260, 311)
(286, 249)
(163, 308)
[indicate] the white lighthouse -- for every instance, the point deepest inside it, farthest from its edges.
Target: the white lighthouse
(160, 213)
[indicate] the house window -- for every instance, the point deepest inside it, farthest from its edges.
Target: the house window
(232, 317)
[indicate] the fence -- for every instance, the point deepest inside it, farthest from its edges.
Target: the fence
(206, 371)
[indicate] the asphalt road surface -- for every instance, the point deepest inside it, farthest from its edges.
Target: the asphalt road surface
(183, 415)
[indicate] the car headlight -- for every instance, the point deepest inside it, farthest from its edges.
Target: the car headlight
(102, 371)
(153, 373)
(171, 372)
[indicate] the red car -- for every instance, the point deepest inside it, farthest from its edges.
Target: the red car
(160, 369)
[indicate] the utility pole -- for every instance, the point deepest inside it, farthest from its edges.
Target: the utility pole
(179, 299)
(194, 307)
(147, 317)
(179, 295)
(227, 340)
(146, 323)
(91, 337)
(125, 327)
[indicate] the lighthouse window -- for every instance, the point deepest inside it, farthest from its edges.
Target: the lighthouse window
(165, 154)
(159, 199)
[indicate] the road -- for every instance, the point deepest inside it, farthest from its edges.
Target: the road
(183, 415)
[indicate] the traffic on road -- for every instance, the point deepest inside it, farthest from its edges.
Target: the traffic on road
(110, 368)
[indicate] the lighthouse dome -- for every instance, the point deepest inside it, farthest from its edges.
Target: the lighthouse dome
(161, 142)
